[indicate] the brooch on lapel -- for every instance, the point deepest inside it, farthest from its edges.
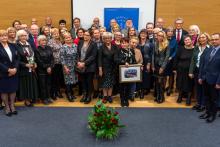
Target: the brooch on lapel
(16, 53)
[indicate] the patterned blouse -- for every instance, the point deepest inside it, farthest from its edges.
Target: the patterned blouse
(56, 50)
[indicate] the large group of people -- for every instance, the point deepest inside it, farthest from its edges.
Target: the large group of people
(37, 62)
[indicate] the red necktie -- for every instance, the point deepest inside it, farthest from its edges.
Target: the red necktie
(35, 40)
(178, 36)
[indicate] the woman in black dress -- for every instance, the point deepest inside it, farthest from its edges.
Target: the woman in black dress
(106, 63)
(124, 56)
(28, 88)
(161, 54)
(181, 66)
(9, 64)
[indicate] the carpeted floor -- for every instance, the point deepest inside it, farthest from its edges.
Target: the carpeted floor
(145, 127)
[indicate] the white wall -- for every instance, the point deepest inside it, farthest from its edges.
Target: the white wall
(87, 10)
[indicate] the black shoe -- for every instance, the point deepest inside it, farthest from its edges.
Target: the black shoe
(9, 114)
(14, 113)
(200, 109)
(210, 119)
(188, 102)
(204, 116)
(95, 95)
(33, 102)
(69, 97)
(49, 101)
(110, 99)
(122, 102)
(196, 107)
(126, 103)
(54, 96)
(84, 97)
(142, 93)
(73, 97)
(58, 94)
(138, 93)
(168, 93)
(30, 105)
(157, 92)
(88, 98)
(132, 98)
(45, 102)
(179, 100)
(100, 94)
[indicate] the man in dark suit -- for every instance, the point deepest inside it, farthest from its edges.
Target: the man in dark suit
(48, 22)
(95, 21)
(159, 24)
(150, 28)
(112, 22)
(34, 22)
(32, 37)
(129, 23)
(179, 32)
(209, 77)
(76, 22)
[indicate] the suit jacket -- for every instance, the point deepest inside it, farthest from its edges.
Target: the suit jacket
(5, 62)
(44, 59)
(160, 58)
(181, 43)
(125, 31)
(148, 48)
(90, 60)
(23, 70)
(210, 70)
(109, 30)
(31, 40)
(106, 61)
(163, 29)
(72, 31)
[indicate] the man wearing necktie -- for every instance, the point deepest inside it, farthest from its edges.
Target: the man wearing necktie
(179, 32)
(209, 77)
(33, 35)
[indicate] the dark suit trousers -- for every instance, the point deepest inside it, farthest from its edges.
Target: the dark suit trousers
(211, 98)
(44, 86)
(87, 81)
(124, 90)
(56, 77)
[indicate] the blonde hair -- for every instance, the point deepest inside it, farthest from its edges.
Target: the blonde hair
(164, 43)
(66, 34)
(116, 26)
(39, 38)
(11, 29)
(54, 30)
(102, 28)
(3, 32)
(207, 36)
(43, 28)
(134, 38)
(64, 29)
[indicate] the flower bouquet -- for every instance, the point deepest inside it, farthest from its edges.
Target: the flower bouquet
(103, 121)
(32, 62)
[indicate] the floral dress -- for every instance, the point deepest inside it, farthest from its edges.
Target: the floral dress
(68, 58)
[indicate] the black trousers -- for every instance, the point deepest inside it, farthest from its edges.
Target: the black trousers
(44, 86)
(56, 78)
(87, 81)
(124, 90)
(211, 98)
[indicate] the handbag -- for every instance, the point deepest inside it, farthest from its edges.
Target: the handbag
(81, 70)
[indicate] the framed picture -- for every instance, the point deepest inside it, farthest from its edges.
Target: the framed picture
(131, 74)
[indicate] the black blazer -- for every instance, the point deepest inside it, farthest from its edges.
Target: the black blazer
(31, 40)
(106, 61)
(5, 62)
(160, 58)
(23, 70)
(181, 43)
(90, 60)
(44, 59)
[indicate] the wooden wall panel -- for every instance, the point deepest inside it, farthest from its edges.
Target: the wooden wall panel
(203, 13)
(24, 10)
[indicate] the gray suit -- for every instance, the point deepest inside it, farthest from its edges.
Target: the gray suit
(125, 31)
(160, 57)
(73, 33)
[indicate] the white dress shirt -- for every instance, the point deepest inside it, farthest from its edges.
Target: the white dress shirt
(9, 53)
(180, 33)
(200, 53)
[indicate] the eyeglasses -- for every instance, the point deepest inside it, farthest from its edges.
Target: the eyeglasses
(214, 39)
(48, 19)
(107, 38)
(143, 34)
(80, 32)
(179, 23)
(87, 35)
(160, 36)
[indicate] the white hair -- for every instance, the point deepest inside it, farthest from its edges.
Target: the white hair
(39, 38)
(160, 19)
(156, 29)
(106, 34)
(196, 28)
(115, 33)
(179, 19)
(34, 25)
(19, 33)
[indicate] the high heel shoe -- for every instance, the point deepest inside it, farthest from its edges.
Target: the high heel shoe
(9, 114)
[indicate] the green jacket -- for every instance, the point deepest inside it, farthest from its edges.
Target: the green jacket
(194, 59)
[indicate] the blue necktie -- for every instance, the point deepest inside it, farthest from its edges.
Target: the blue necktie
(212, 54)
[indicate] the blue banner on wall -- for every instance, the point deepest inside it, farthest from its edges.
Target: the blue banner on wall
(121, 15)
